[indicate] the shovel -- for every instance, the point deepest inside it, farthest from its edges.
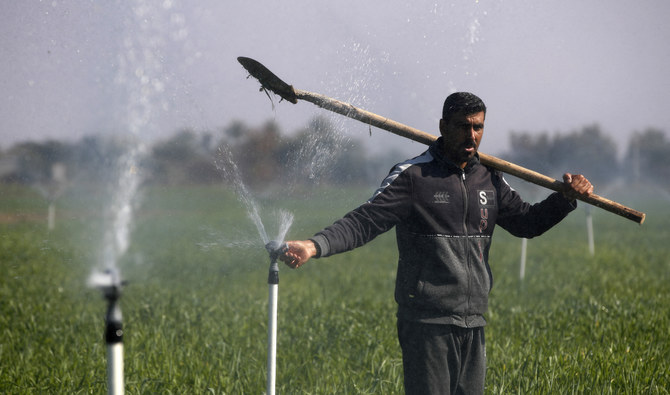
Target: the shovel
(271, 82)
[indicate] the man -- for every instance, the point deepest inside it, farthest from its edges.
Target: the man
(444, 204)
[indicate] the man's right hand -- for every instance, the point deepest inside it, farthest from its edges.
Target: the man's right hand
(298, 253)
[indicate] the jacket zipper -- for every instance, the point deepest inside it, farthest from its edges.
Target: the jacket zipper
(467, 250)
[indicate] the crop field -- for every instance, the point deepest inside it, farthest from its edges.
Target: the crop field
(195, 305)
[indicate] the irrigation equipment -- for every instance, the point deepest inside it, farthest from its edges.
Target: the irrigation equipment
(270, 81)
(275, 249)
(589, 231)
(110, 284)
(52, 189)
(522, 264)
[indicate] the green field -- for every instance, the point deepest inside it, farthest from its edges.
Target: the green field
(195, 307)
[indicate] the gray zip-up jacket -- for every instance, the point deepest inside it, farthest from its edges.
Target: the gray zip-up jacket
(444, 218)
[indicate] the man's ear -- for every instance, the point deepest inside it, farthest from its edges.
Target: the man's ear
(443, 127)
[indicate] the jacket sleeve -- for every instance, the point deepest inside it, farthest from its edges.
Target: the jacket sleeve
(527, 220)
(387, 207)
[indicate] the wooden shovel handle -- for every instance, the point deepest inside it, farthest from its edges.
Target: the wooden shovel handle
(270, 81)
(420, 136)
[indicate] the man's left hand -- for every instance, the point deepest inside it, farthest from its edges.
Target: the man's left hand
(576, 185)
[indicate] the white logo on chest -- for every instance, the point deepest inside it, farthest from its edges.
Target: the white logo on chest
(441, 197)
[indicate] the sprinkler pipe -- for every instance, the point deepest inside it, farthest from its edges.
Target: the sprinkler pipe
(114, 335)
(274, 248)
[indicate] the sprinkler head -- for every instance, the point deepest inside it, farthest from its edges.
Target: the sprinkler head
(109, 282)
(275, 249)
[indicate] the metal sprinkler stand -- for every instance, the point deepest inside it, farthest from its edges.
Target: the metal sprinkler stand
(274, 248)
(114, 336)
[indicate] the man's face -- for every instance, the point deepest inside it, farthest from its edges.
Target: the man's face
(462, 135)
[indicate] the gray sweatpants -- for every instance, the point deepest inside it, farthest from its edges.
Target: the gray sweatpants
(442, 359)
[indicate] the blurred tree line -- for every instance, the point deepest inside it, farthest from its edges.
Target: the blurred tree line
(319, 153)
(646, 158)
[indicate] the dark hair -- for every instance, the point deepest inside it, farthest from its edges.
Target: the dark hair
(462, 102)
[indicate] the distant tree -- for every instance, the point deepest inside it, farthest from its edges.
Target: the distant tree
(183, 159)
(648, 157)
(95, 158)
(36, 160)
(235, 133)
(254, 151)
(9, 166)
(530, 150)
(320, 153)
(351, 164)
(587, 151)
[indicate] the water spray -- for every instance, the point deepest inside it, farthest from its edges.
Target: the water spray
(275, 249)
(110, 284)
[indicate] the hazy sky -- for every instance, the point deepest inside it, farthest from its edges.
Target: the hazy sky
(75, 68)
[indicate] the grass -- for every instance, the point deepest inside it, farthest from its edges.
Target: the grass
(195, 308)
